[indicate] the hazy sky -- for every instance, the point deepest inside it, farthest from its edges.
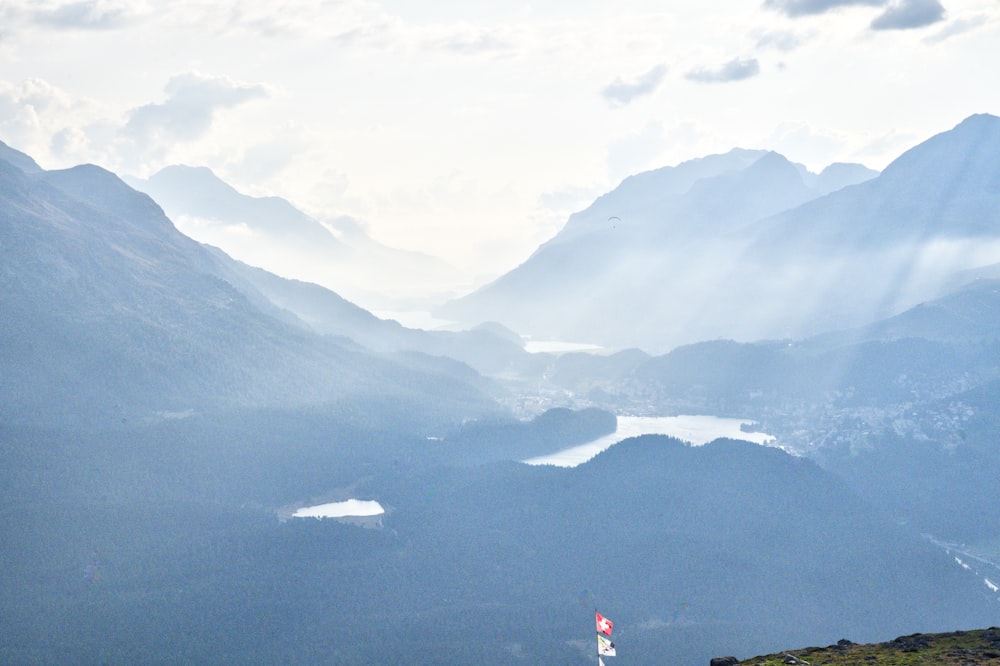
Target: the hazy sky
(472, 129)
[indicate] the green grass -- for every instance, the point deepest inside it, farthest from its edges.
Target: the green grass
(960, 648)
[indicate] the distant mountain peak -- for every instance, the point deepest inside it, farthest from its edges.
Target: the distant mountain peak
(772, 164)
(181, 168)
(201, 184)
(197, 192)
(18, 159)
(705, 245)
(839, 175)
(116, 314)
(103, 189)
(980, 120)
(967, 150)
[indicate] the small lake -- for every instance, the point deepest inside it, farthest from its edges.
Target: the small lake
(695, 429)
(558, 347)
(352, 508)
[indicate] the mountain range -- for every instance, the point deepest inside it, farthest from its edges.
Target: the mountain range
(749, 246)
(111, 313)
(271, 233)
(164, 408)
(904, 409)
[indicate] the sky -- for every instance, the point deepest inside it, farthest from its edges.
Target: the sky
(471, 130)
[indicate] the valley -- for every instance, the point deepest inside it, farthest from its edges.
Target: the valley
(782, 457)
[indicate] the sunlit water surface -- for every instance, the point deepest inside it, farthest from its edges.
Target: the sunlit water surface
(696, 429)
(346, 509)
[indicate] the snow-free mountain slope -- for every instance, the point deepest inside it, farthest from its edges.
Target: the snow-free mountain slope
(660, 244)
(877, 248)
(688, 544)
(162, 407)
(199, 193)
(271, 233)
(762, 250)
(18, 159)
(947, 187)
(839, 175)
(111, 313)
(489, 349)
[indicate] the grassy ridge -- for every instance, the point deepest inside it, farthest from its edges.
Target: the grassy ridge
(961, 648)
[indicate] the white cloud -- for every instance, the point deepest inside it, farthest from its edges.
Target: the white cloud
(737, 69)
(38, 94)
(799, 142)
(268, 156)
(568, 199)
(796, 8)
(34, 113)
(370, 108)
(637, 152)
(370, 34)
(60, 130)
(898, 14)
(69, 141)
(187, 113)
(473, 40)
(620, 92)
(957, 27)
(909, 14)
(289, 19)
(85, 15)
(88, 15)
(780, 40)
(880, 150)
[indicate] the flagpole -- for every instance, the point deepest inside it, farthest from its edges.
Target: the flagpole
(599, 662)
(604, 646)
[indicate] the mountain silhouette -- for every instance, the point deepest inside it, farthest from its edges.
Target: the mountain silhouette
(759, 249)
(111, 313)
(271, 233)
(162, 406)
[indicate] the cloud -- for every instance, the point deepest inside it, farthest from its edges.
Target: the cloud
(780, 40)
(796, 8)
(191, 104)
(620, 92)
(86, 15)
(373, 35)
(568, 199)
(909, 14)
(883, 149)
(800, 142)
(69, 141)
(898, 14)
(468, 40)
(265, 22)
(36, 93)
(637, 152)
(957, 27)
(34, 110)
(734, 70)
(59, 129)
(267, 157)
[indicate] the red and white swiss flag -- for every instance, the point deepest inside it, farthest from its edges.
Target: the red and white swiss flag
(604, 625)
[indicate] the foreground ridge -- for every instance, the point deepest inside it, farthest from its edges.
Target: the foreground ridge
(980, 646)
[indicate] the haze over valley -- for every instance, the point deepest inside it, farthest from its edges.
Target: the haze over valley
(443, 328)
(167, 408)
